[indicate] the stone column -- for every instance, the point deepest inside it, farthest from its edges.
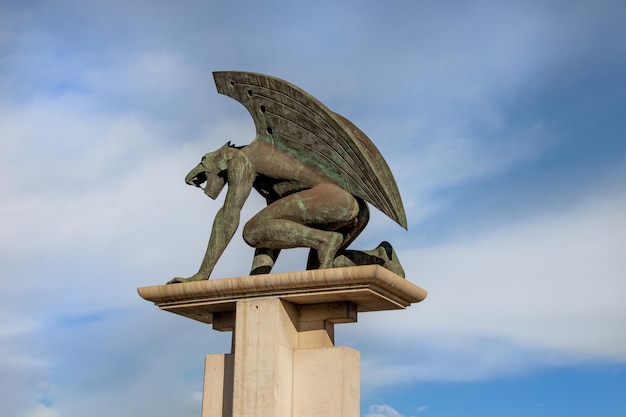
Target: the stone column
(283, 361)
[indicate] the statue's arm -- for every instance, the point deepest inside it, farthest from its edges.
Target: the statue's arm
(241, 175)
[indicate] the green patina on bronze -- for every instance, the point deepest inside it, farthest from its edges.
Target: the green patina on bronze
(316, 171)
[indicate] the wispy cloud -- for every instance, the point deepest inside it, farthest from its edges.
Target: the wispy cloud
(382, 411)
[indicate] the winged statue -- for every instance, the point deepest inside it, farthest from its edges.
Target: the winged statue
(316, 170)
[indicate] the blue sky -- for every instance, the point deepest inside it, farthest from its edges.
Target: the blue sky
(502, 122)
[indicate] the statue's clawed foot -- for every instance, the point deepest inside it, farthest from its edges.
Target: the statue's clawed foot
(383, 255)
(386, 252)
(196, 277)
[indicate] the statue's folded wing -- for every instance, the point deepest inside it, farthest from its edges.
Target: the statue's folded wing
(295, 121)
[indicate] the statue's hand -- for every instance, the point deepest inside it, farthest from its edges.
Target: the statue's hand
(197, 277)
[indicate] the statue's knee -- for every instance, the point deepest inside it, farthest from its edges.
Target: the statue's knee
(249, 235)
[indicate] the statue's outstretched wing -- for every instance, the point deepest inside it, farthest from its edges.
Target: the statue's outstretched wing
(295, 121)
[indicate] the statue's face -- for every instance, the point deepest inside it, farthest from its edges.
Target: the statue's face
(208, 171)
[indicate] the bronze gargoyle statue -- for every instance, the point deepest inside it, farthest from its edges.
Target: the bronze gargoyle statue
(316, 170)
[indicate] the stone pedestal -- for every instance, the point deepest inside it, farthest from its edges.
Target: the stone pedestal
(283, 361)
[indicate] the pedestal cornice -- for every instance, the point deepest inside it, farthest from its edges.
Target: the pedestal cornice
(370, 288)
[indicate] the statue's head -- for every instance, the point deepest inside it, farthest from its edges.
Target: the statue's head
(212, 171)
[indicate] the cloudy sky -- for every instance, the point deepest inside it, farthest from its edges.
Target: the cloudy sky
(503, 123)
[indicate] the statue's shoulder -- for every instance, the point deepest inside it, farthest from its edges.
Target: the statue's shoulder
(240, 164)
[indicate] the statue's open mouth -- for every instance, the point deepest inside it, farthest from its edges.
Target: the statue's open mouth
(213, 184)
(199, 179)
(197, 176)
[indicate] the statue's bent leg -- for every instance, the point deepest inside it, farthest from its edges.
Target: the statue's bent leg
(349, 232)
(264, 260)
(307, 219)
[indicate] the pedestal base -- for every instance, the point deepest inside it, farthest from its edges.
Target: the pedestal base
(284, 362)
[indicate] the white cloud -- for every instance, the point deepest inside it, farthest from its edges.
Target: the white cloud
(547, 292)
(382, 411)
(563, 272)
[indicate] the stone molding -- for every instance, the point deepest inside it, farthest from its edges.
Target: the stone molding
(369, 287)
